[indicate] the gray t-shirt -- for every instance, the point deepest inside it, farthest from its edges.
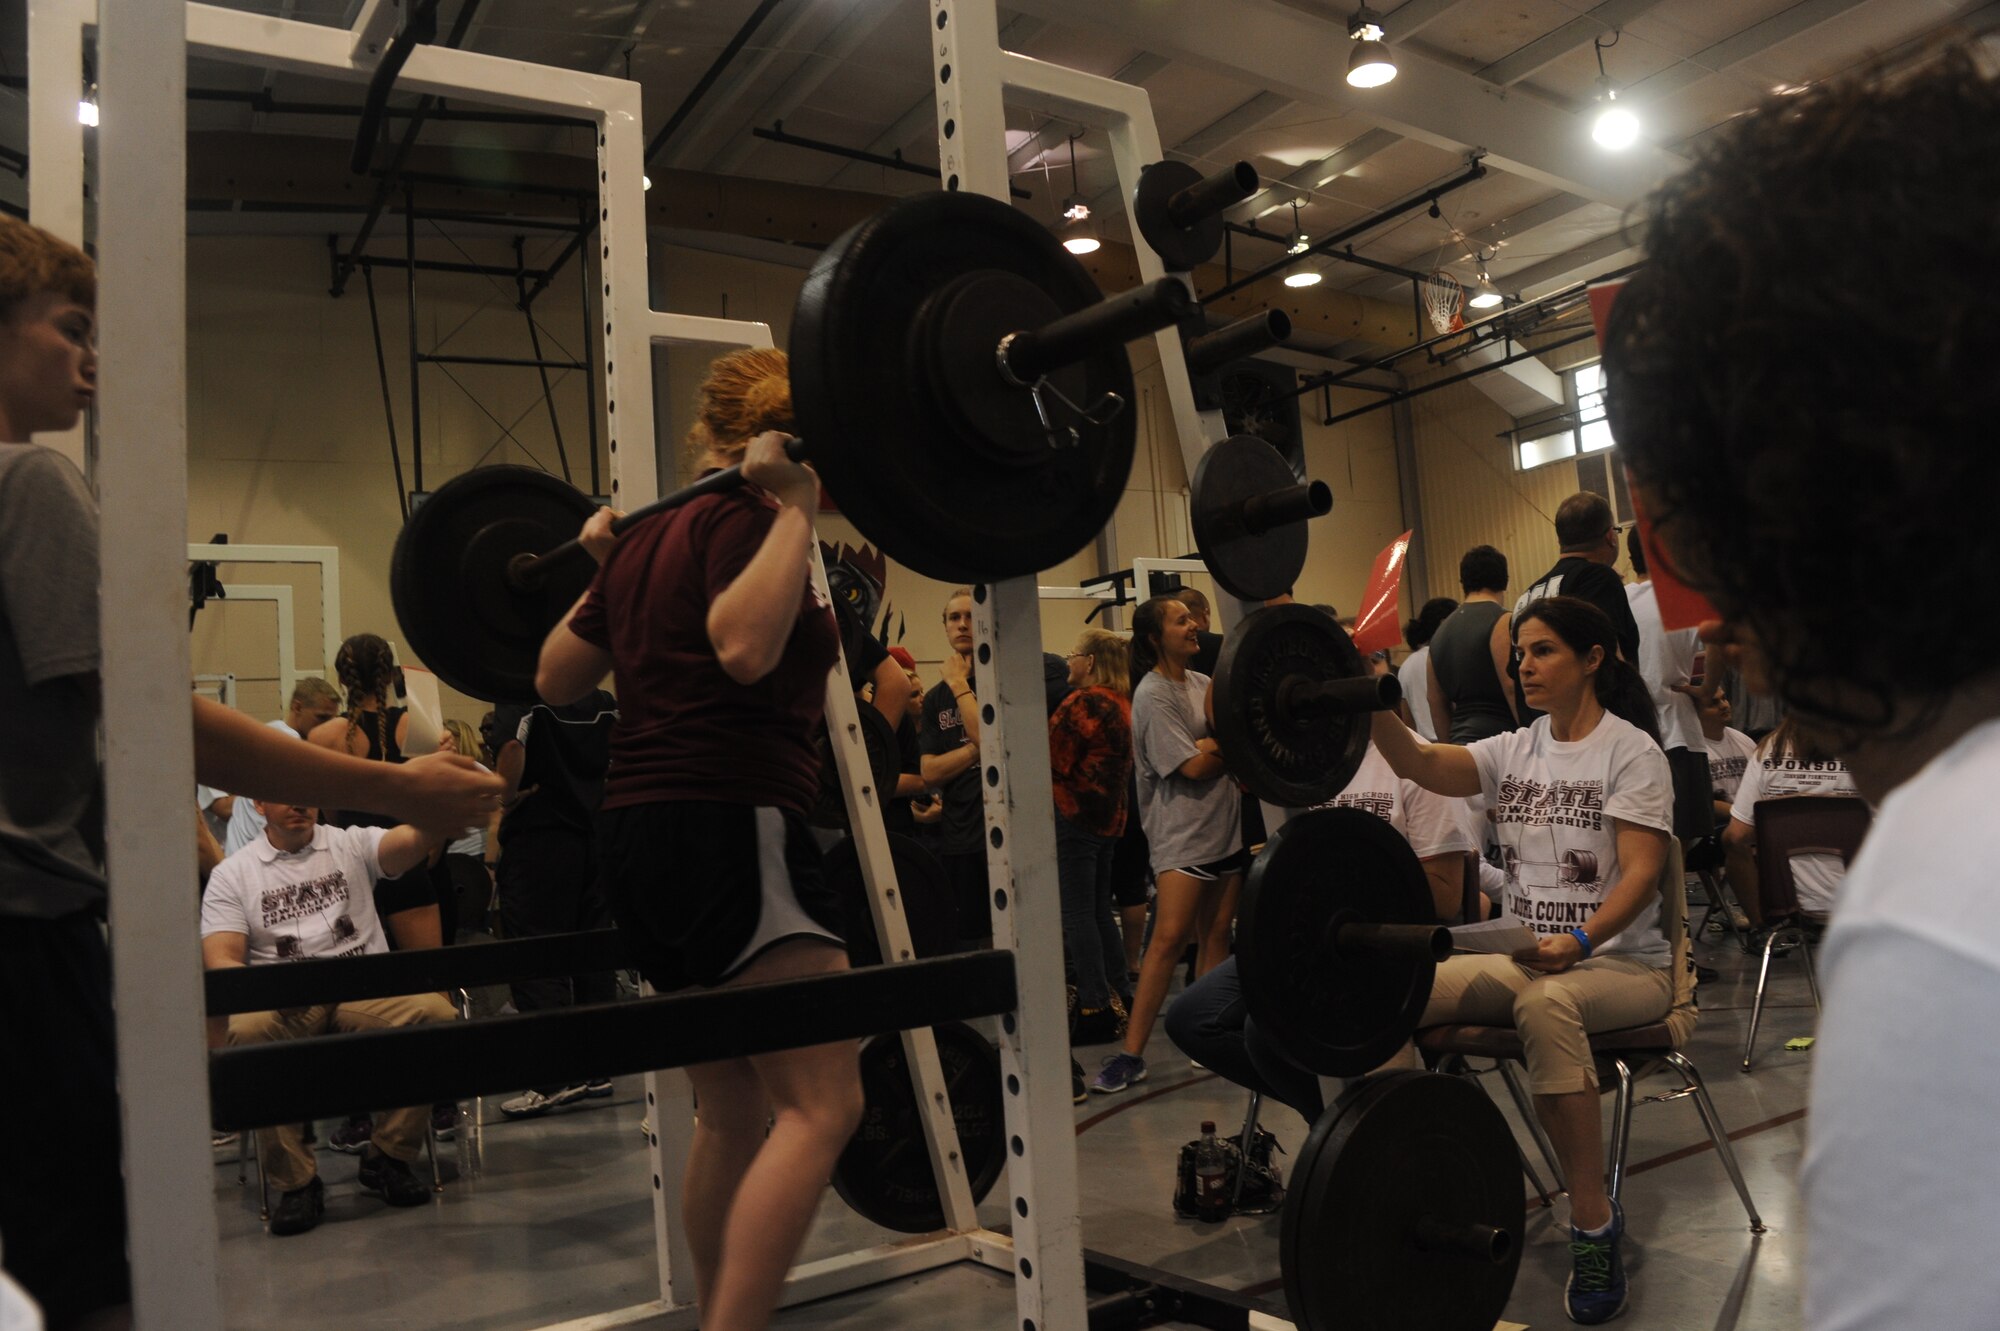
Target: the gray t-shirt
(51, 789)
(1187, 822)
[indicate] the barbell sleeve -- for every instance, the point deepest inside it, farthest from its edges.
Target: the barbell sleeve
(527, 572)
(1482, 1243)
(1245, 337)
(1411, 942)
(1294, 503)
(1210, 195)
(1028, 355)
(1364, 693)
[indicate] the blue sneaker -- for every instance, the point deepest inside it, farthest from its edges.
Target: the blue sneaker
(1119, 1071)
(1596, 1289)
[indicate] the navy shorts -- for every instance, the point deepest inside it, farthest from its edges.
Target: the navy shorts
(701, 889)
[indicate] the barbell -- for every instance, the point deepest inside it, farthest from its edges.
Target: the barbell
(961, 386)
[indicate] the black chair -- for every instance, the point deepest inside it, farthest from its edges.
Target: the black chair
(1799, 825)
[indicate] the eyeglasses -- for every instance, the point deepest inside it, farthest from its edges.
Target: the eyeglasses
(1076, 655)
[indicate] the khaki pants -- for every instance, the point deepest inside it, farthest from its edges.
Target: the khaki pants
(398, 1132)
(1553, 1013)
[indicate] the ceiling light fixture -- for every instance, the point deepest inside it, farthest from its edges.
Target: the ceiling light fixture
(1075, 208)
(1484, 294)
(1082, 237)
(645, 182)
(1616, 128)
(1298, 243)
(1305, 277)
(1369, 65)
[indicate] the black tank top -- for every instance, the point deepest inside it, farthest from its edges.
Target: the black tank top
(1462, 662)
(379, 729)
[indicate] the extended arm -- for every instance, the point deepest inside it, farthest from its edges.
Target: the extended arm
(404, 848)
(892, 691)
(235, 752)
(1443, 769)
(752, 618)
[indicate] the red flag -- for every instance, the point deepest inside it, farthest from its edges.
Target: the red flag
(1377, 627)
(1681, 606)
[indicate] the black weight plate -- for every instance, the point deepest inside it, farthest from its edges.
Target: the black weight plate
(448, 577)
(920, 885)
(1295, 762)
(1396, 1155)
(1254, 567)
(952, 504)
(1181, 247)
(885, 1171)
(1332, 1013)
(885, 765)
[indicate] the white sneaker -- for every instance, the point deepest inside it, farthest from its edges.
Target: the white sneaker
(533, 1104)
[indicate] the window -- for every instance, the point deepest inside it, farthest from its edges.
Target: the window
(1578, 429)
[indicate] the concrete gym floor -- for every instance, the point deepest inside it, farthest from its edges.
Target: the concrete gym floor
(558, 1222)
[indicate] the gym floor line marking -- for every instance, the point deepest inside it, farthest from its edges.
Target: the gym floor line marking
(1136, 1100)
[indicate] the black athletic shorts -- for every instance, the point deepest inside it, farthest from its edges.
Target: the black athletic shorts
(62, 1187)
(701, 889)
(1216, 870)
(1131, 875)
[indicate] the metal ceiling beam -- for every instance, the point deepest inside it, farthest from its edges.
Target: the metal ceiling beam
(1314, 175)
(1264, 44)
(786, 41)
(1583, 261)
(1738, 47)
(1413, 16)
(1057, 131)
(1231, 125)
(841, 43)
(1544, 51)
(1515, 224)
(921, 118)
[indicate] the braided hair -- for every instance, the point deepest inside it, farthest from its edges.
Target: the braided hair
(367, 669)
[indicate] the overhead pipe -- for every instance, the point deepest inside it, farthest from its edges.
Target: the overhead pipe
(1477, 171)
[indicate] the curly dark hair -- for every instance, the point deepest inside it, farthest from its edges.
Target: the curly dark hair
(1800, 376)
(1482, 569)
(367, 669)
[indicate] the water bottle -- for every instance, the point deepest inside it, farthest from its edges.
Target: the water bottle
(1211, 1177)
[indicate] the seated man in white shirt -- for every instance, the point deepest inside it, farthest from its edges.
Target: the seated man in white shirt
(314, 702)
(305, 892)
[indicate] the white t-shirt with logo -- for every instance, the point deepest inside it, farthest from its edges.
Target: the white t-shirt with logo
(304, 905)
(1728, 758)
(1777, 776)
(1432, 824)
(1415, 677)
(1553, 804)
(1666, 660)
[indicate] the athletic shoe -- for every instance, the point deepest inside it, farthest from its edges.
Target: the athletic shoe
(533, 1104)
(444, 1120)
(299, 1209)
(391, 1180)
(219, 1141)
(353, 1135)
(597, 1089)
(1596, 1289)
(1078, 1092)
(1119, 1071)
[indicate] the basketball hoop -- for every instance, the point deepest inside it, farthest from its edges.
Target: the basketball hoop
(1444, 301)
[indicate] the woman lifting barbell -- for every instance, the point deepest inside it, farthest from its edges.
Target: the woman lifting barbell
(721, 645)
(1585, 787)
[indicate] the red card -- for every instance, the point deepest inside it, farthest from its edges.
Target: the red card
(1377, 627)
(1681, 606)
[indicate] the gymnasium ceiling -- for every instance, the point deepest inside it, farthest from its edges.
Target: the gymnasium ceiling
(1254, 79)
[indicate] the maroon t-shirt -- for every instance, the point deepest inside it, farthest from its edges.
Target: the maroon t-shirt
(686, 730)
